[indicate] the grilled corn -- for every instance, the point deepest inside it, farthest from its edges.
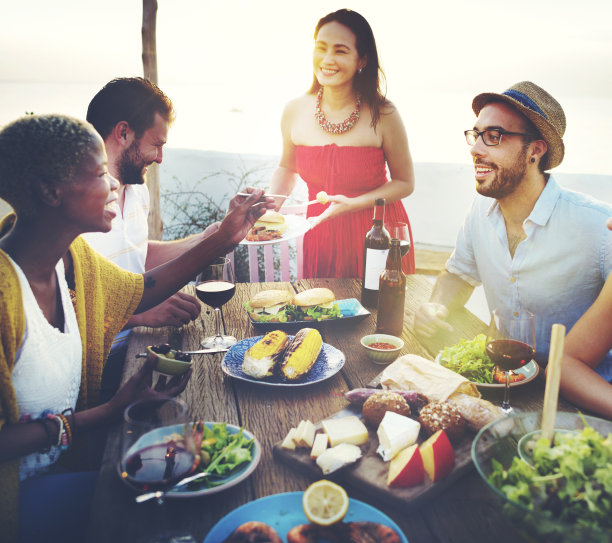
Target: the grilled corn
(260, 359)
(301, 353)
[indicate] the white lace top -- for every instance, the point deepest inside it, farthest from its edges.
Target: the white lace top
(47, 371)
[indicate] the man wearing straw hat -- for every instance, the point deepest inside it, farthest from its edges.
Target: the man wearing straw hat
(532, 244)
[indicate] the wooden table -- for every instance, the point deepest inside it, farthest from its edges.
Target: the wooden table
(463, 512)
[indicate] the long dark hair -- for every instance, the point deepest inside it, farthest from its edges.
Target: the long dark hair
(366, 84)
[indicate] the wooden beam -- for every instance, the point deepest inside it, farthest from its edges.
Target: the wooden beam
(149, 64)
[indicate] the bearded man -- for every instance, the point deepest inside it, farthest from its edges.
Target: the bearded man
(532, 244)
(133, 117)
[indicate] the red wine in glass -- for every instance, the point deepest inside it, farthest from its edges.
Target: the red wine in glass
(158, 466)
(215, 293)
(509, 354)
(510, 343)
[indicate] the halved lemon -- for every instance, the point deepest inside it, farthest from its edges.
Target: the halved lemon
(325, 503)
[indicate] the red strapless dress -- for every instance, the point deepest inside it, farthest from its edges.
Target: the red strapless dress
(335, 247)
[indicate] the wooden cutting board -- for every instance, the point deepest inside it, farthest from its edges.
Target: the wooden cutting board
(369, 473)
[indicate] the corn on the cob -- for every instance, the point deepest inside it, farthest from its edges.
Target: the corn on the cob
(301, 353)
(260, 359)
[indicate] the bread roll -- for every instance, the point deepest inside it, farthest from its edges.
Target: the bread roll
(375, 407)
(442, 416)
(476, 411)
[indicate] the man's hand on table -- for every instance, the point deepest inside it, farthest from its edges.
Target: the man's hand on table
(430, 318)
(177, 310)
(140, 387)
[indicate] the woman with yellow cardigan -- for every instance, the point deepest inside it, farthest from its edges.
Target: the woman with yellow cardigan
(61, 304)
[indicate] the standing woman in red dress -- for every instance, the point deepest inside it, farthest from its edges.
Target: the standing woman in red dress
(340, 137)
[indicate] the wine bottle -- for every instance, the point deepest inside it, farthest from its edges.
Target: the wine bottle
(375, 250)
(392, 294)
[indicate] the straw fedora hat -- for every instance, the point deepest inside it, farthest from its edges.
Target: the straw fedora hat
(540, 108)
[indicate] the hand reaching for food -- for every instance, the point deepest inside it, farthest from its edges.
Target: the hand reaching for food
(339, 204)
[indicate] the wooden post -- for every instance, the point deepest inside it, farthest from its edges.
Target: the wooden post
(149, 64)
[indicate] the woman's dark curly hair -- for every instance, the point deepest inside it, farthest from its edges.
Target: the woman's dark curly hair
(40, 149)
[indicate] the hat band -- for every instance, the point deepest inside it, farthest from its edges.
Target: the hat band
(524, 100)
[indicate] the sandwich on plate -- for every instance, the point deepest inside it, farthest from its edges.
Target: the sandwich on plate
(269, 306)
(271, 225)
(315, 304)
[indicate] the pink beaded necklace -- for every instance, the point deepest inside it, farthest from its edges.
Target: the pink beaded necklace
(336, 128)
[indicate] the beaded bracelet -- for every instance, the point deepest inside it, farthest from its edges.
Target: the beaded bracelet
(67, 433)
(62, 439)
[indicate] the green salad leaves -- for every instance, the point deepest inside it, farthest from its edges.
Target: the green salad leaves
(571, 481)
(469, 358)
(222, 452)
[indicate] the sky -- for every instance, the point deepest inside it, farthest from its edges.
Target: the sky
(249, 57)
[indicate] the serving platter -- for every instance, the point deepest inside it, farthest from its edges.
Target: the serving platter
(529, 370)
(297, 225)
(243, 471)
(370, 472)
(284, 511)
(329, 362)
(350, 308)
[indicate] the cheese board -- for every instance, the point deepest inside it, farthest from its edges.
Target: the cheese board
(370, 472)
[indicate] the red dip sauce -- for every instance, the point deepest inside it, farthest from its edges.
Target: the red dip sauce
(382, 345)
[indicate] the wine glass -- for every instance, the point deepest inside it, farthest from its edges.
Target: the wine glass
(215, 286)
(510, 344)
(150, 463)
(399, 230)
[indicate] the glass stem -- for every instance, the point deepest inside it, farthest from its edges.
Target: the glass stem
(506, 403)
(218, 319)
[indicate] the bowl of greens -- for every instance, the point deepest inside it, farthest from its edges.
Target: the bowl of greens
(564, 495)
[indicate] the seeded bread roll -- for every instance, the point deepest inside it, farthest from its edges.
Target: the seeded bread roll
(442, 416)
(476, 411)
(375, 407)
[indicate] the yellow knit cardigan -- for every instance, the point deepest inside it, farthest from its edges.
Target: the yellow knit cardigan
(106, 297)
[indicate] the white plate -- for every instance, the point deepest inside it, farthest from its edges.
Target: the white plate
(529, 370)
(243, 471)
(284, 511)
(328, 363)
(297, 226)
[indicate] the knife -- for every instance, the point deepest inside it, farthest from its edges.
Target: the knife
(201, 351)
(161, 493)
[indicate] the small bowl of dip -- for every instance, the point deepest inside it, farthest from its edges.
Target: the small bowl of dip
(382, 348)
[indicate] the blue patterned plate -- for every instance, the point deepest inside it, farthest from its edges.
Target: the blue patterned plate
(328, 363)
(284, 511)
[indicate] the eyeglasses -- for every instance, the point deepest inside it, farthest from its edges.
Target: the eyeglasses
(491, 136)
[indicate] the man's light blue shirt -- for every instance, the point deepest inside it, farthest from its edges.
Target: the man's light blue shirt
(556, 273)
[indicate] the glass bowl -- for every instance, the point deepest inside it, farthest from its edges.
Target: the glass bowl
(499, 440)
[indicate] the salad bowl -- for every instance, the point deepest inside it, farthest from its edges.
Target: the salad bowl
(540, 502)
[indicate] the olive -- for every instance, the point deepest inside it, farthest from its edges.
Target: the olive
(163, 348)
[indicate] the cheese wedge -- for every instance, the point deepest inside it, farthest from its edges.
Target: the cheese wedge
(304, 435)
(288, 442)
(345, 430)
(338, 456)
(396, 432)
(319, 446)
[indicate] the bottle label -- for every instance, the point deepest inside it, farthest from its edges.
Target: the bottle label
(376, 261)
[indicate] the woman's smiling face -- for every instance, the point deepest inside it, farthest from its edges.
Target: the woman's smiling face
(335, 56)
(89, 196)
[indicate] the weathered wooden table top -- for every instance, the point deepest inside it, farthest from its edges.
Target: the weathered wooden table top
(462, 513)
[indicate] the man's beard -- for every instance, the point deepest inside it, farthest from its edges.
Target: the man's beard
(506, 180)
(131, 166)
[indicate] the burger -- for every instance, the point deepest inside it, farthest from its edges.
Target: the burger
(269, 306)
(315, 304)
(271, 225)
